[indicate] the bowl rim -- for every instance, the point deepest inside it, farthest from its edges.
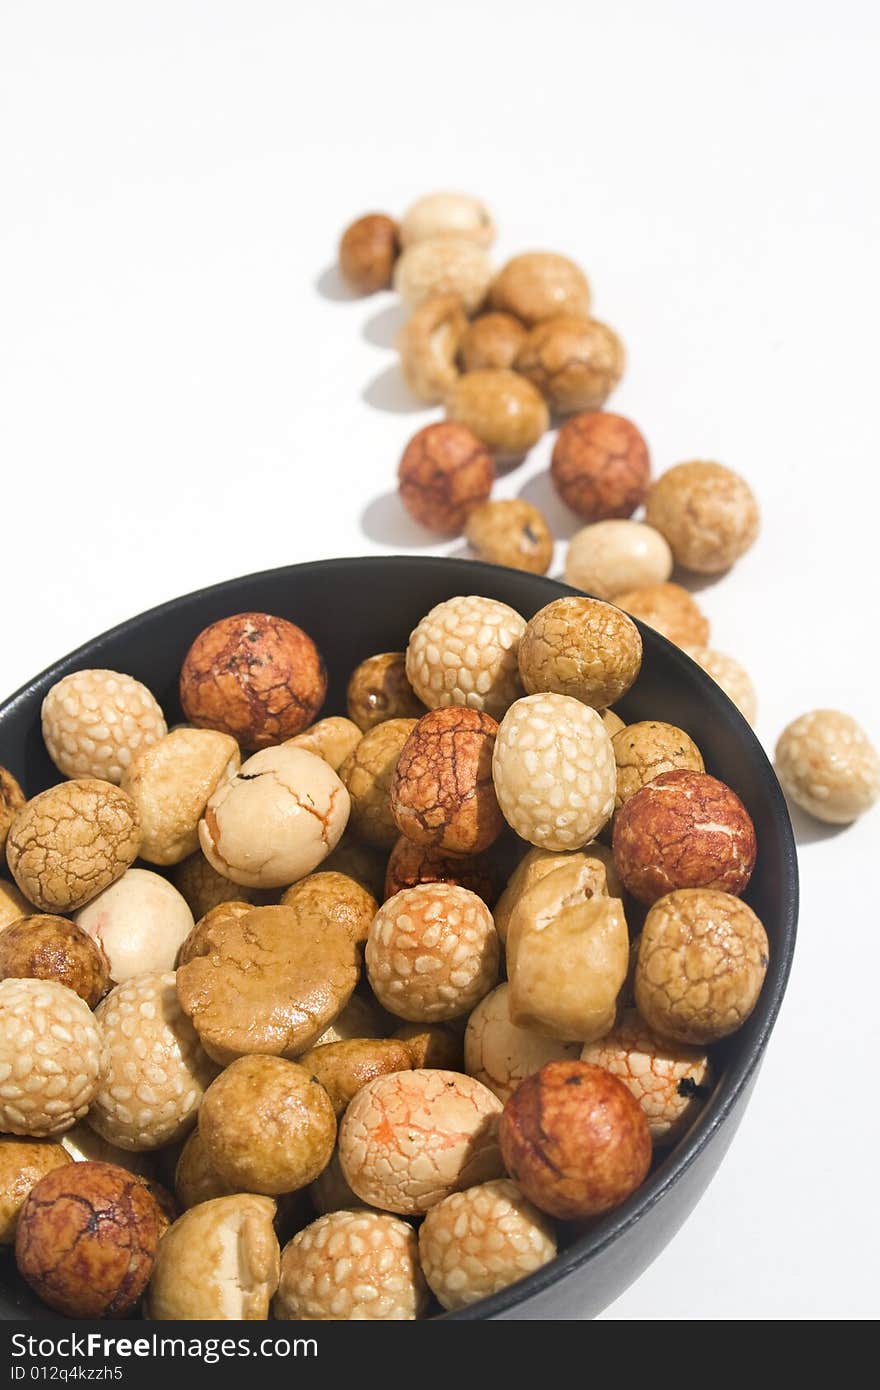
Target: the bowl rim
(738, 1074)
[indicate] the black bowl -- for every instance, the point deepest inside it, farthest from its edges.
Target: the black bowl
(356, 607)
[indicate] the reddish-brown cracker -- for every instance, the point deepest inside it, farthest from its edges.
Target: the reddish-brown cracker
(444, 473)
(256, 677)
(87, 1239)
(600, 465)
(575, 1140)
(411, 864)
(683, 830)
(442, 793)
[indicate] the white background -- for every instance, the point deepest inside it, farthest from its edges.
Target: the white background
(186, 393)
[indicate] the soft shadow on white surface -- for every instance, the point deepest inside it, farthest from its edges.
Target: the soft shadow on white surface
(696, 583)
(330, 285)
(506, 466)
(382, 329)
(540, 491)
(388, 391)
(808, 830)
(385, 521)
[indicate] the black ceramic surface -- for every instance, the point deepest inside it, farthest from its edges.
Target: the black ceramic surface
(356, 607)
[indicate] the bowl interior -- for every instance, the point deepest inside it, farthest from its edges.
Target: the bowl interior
(356, 607)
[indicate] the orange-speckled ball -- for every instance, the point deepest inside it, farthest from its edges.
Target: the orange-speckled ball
(683, 830)
(260, 679)
(432, 953)
(411, 864)
(407, 1140)
(87, 1239)
(575, 1140)
(444, 473)
(442, 793)
(600, 465)
(669, 1080)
